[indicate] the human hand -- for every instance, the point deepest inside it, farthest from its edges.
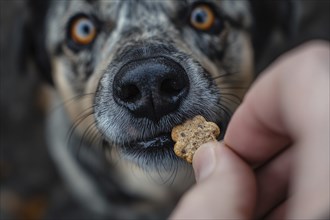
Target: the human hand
(283, 125)
(282, 130)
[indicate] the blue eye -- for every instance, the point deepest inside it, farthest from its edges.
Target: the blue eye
(83, 30)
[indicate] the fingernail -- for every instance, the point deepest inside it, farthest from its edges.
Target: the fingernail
(204, 161)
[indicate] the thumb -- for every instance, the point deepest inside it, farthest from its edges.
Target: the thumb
(225, 189)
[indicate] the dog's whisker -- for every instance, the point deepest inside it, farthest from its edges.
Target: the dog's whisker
(91, 135)
(79, 145)
(235, 99)
(229, 102)
(86, 136)
(84, 115)
(220, 76)
(159, 173)
(232, 95)
(70, 101)
(174, 173)
(80, 117)
(226, 111)
(233, 88)
(227, 75)
(96, 137)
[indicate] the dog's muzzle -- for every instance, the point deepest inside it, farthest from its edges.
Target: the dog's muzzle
(144, 92)
(151, 87)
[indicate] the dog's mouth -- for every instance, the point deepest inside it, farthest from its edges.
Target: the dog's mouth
(154, 149)
(162, 141)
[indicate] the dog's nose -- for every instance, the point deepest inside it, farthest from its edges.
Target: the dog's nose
(151, 87)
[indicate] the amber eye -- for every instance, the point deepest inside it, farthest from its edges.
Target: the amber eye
(82, 30)
(202, 18)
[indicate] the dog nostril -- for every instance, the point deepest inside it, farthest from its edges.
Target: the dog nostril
(129, 93)
(171, 87)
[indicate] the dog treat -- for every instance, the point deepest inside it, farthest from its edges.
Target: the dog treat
(191, 135)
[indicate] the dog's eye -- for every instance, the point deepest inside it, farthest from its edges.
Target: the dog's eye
(82, 30)
(203, 18)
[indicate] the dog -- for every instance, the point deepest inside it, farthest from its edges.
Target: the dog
(126, 72)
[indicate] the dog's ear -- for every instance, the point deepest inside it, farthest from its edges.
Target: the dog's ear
(36, 32)
(270, 16)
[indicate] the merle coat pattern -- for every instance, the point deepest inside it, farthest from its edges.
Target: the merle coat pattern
(117, 156)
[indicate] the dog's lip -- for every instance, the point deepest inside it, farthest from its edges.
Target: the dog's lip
(160, 141)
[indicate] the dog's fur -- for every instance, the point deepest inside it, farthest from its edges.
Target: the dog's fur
(90, 134)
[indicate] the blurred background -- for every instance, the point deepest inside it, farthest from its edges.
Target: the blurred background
(30, 187)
